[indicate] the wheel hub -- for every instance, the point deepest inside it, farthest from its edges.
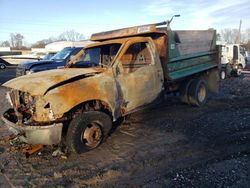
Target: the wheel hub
(92, 135)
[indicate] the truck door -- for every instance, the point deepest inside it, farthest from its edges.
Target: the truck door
(140, 77)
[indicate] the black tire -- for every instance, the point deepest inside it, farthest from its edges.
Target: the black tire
(87, 131)
(197, 92)
(184, 91)
(2, 66)
(237, 72)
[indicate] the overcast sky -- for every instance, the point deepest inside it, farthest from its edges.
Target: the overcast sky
(37, 20)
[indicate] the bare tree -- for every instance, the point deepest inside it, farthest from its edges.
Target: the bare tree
(231, 35)
(16, 40)
(247, 45)
(247, 34)
(5, 44)
(43, 43)
(71, 35)
(218, 37)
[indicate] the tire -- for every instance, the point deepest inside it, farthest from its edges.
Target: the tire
(184, 91)
(237, 72)
(223, 74)
(87, 131)
(197, 92)
(2, 66)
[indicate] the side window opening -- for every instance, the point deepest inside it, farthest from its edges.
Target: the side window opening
(108, 53)
(137, 55)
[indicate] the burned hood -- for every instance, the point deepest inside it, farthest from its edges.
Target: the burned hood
(40, 83)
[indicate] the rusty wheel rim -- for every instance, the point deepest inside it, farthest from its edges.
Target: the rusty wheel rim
(92, 135)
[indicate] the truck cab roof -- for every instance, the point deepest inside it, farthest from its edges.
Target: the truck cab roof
(128, 32)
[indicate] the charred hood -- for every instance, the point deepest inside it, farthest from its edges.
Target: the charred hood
(40, 83)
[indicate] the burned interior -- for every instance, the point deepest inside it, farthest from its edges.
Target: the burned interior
(136, 56)
(97, 56)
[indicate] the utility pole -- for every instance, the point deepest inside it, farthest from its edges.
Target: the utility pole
(237, 40)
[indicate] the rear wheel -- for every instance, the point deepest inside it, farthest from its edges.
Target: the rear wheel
(184, 91)
(87, 131)
(197, 92)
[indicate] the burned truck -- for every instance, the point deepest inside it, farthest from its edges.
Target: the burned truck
(124, 71)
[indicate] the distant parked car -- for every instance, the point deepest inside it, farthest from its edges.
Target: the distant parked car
(49, 56)
(3, 64)
(55, 62)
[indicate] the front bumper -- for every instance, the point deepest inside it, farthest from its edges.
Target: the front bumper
(45, 135)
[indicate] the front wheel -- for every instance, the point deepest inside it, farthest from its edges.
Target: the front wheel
(237, 71)
(2, 66)
(87, 131)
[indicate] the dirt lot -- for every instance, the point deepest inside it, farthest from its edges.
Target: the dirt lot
(172, 145)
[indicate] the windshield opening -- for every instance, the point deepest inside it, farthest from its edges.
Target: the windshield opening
(63, 54)
(97, 56)
(242, 50)
(48, 56)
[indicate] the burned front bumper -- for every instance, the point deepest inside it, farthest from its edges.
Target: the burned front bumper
(45, 135)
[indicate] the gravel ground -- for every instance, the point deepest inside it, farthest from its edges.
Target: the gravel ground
(171, 145)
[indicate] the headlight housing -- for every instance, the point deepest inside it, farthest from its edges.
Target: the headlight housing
(28, 101)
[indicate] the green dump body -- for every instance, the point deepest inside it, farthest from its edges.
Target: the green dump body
(190, 52)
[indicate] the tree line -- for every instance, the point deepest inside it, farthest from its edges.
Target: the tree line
(16, 40)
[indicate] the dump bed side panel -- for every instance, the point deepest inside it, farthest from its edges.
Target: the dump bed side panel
(190, 52)
(195, 41)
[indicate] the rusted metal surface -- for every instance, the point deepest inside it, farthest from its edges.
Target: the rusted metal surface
(37, 84)
(31, 149)
(46, 135)
(126, 32)
(8, 138)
